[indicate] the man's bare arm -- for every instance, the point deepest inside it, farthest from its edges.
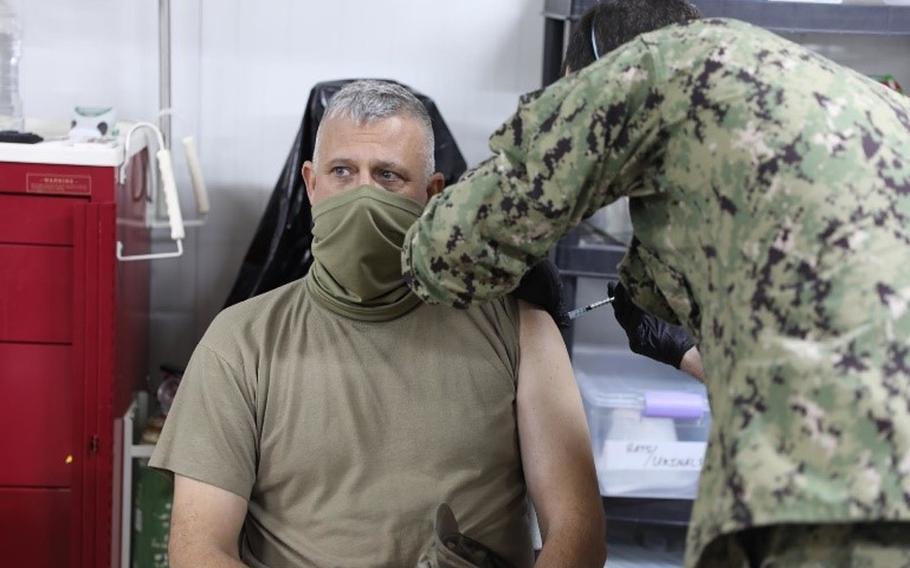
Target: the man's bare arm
(205, 526)
(556, 449)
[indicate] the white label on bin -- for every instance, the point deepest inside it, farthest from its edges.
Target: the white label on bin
(628, 455)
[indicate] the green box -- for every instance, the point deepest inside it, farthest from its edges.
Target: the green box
(151, 517)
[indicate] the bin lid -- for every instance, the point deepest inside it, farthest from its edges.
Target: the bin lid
(615, 379)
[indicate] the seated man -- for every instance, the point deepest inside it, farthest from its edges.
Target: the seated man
(323, 423)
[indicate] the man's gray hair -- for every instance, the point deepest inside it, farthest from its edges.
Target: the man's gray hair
(368, 101)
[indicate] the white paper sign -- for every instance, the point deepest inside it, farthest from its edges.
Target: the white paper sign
(625, 455)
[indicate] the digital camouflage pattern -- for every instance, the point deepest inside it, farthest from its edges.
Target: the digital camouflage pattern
(875, 545)
(771, 206)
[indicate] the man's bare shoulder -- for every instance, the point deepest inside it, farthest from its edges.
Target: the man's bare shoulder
(536, 323)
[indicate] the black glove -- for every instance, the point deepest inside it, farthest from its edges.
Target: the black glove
(542, 287)
(648, 335)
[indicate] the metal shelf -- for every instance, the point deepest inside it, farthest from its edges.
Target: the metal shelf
(596, 261)
(862, 19)
(567, 9)
(665, 512)
(125, 428)
(141, 451)
(805, 17)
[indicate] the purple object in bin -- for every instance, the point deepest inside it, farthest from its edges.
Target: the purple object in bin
(674, 404)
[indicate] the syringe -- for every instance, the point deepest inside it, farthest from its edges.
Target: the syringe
(578, 312)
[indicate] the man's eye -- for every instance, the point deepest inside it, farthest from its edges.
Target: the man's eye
(390, 176)
(340, 171)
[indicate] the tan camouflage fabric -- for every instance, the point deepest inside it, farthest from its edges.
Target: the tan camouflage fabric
(770, 198)
(449, 548)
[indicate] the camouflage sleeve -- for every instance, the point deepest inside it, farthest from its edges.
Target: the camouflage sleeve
(641, 286)
(659, 289)
(577, 146)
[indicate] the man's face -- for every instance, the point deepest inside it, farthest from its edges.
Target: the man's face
(387, 153)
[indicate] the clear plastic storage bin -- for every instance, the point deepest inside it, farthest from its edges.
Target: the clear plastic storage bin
(649, 424)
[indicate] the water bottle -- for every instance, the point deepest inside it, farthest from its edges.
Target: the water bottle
(10, 45)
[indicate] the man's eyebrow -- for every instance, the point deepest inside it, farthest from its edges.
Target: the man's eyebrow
(389, 165)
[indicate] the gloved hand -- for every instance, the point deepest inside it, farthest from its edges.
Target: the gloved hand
(648, 335)
(542, 287)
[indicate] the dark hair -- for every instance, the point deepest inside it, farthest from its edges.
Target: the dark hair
(616, 22)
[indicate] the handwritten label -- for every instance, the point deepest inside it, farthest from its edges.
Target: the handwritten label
(623, 455)
(67, 184)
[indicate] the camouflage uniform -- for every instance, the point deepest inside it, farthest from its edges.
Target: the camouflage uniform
(873, 545)
(771, 206)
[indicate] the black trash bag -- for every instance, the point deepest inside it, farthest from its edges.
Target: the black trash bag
(280, 251)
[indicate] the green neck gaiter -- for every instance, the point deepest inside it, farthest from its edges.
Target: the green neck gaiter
(357, 240)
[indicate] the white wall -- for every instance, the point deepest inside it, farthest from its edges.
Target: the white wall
(260, 60)
(242, 74)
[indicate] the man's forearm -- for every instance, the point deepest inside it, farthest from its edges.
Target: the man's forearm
(581, 546)
(197, 557)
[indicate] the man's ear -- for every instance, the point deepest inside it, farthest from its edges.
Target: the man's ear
(436, 185)
(309, 173)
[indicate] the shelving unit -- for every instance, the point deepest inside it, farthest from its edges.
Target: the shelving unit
(127, 427)
(868, 19)
(860, 19)
(576, 259)
(785, 17)
(589, 261)
(658, 512)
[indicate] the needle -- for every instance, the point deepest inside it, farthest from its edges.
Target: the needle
(577, 313)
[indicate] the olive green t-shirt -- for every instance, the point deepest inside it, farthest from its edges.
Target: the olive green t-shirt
(345, 436)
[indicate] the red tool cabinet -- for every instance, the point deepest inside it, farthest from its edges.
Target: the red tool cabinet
(73, 347)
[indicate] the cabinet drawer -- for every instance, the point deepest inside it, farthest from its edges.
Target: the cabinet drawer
(36, 294)
(35, 527)
(36, 220)
(37, 397)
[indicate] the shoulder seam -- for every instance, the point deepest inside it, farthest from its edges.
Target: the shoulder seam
(220, 357)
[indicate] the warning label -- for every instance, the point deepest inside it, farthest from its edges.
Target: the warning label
(59, 184)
